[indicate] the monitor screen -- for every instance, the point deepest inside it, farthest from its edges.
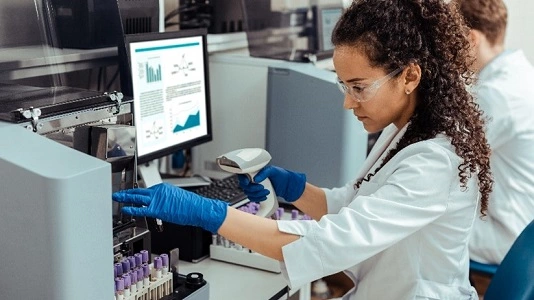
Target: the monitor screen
(327, 18)
(167, 76)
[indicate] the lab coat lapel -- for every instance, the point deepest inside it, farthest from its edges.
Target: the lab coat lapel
(388, 139)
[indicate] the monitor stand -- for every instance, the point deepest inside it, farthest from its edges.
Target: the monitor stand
(150, 176)
(149, 173)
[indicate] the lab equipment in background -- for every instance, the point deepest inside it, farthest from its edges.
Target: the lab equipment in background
(278, 33)
(218, 16)
(141, 16)
(64, 152)
(307, 128)
(294, 31)
(89, 24)
(167, 75)
(250, 161)
(325, 18)
(227, 16)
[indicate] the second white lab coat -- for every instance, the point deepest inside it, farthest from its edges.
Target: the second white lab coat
(505, 93)
(402, 235)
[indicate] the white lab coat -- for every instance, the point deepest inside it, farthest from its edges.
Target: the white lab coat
(505, 92)
(402, 235)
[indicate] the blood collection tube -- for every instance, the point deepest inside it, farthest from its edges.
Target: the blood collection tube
(146, 275)
(133, 276)
(280, 211)
(127, 284)
(138, 259)
(118, 270)
(144, 255)
(131, 259)
(119, 285)
(158, 265)
(165, 263)
(140, 276)
(125, 265)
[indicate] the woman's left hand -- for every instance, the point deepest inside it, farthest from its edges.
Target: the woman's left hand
(173, 204)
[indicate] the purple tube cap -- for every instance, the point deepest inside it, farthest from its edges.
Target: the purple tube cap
(119, 284)
(164, 259)
(127, 280)
(131, 259)
(157, 262)
(146, 270)
(125, 266)
(133, 276)
(118, 269)
(140, 274)
(144, 254)
(138, 259)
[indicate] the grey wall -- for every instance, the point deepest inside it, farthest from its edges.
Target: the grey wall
(520, 24)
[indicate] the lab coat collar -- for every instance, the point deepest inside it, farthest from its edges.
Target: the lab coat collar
(388, 139)
(506, 58)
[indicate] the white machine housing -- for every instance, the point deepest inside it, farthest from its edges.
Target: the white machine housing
(55, 221)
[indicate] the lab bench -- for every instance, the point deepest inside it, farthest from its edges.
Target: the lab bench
(230, 281)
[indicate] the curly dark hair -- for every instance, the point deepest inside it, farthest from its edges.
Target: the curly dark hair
(432, 34)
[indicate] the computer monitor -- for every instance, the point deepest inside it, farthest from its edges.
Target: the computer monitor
(167, 76)
(326, 18)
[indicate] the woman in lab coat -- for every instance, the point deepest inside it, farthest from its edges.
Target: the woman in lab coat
(401, 229)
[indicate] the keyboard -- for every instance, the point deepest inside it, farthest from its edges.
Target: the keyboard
(226, 189)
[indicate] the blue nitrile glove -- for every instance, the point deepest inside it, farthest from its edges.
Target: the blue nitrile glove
(173, 204)
(287, 185)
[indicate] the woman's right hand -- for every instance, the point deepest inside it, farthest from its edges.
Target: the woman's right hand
(287, 184)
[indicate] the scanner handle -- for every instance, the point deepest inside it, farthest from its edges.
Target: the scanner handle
(270, 205)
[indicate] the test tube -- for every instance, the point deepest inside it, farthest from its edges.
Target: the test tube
(131, 259)
(294, 214)
(214, 239)
(127, 284)
(133, 276)
(280, 213)
(158, 265)
(125, 265)
(165, 263)
(119, 285)
(140, 276)
(138, 259)
(118, 270)
(144, 255)
(146, 275)
(226, 243)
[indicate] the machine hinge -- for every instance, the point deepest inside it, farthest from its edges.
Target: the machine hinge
(117, 98)
(33, 115)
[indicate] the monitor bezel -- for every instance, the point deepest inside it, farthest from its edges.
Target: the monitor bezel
(318, 10)
(127, 87)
